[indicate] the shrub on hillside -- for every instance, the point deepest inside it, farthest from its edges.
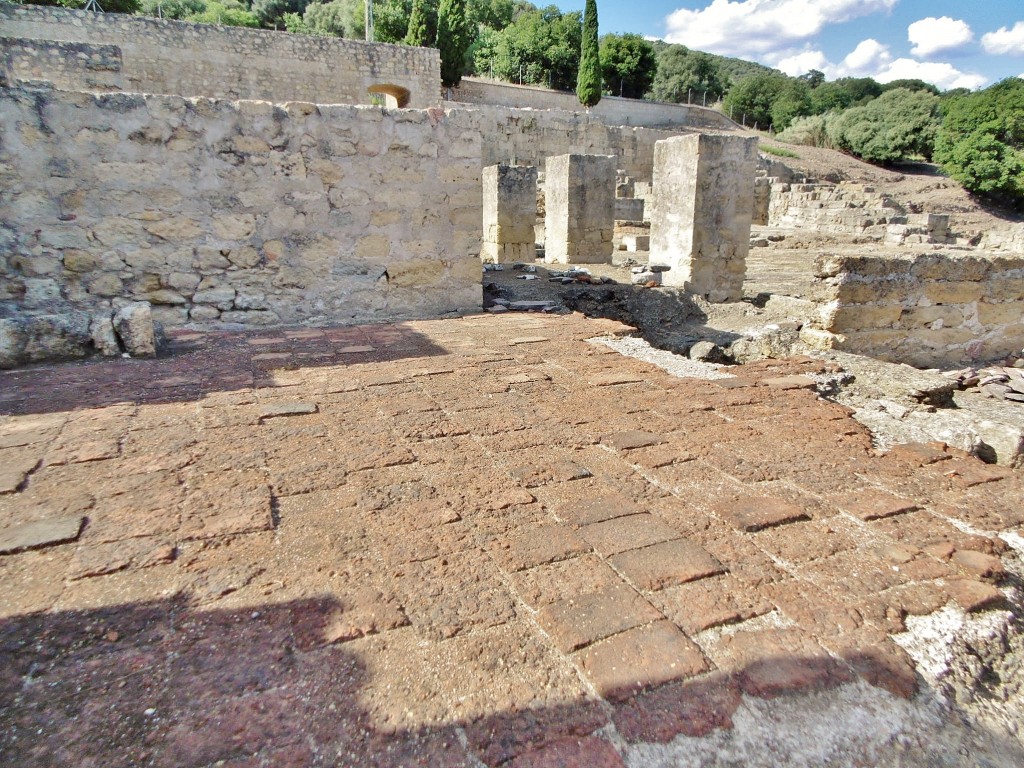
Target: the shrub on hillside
(809, 131)
(981, 140)
(897, 125)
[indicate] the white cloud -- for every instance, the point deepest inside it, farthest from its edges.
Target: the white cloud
(751, 28)
(932, 35)
(796, 64)
(942, 74)
(868, 58)
(1005, 41)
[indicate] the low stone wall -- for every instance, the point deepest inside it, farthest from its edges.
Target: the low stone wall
(928, 310)
(236, 212)
(610, 110)
(1010, 238)
(71, 66)
(173, 57)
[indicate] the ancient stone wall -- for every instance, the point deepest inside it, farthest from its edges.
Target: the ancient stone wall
(175, 57)
(236, 212)
(610, 110)
(934, 309)
(527, 137)
(71, 66)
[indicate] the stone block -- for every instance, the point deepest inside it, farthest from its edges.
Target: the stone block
(953, 293)
(635, 243)
(702, 212)
(134, 326)
(579, 209)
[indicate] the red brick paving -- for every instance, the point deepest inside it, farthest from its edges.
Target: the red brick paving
(406, 545)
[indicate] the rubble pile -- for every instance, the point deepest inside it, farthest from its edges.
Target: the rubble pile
(998, 382)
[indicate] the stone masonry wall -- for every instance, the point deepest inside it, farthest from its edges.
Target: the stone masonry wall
(579, 219)
(71, 66)
(236, 212)
(528, 137)
(610, 110)
(934, 309)
(173, 57)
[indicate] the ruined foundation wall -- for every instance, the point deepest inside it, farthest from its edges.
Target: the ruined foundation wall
(174, 57)
(935, 309)
(610, 110)
(237, 212)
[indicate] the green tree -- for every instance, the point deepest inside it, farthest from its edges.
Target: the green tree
(750, 101)
(419, 33)
(792, 101)
(539, 47)
(897, 125)
(683, 74)
(813, 78)
(271, 12)
(170, 9)
(336, 18)
(391, 20)
(455, 32)
(628, 65)
(981, 141)
(912, 84)
(496, 14)
(229, 13)
(110, 6)
(588, 80)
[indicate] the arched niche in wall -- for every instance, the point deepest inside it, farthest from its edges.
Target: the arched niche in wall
(396, 96)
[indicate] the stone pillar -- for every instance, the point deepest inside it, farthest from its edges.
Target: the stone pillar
(510, 212)
(703, 204)
(579, 216)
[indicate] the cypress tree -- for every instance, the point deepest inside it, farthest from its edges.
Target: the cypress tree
(588, 81)
(454, 36)
(419, 29)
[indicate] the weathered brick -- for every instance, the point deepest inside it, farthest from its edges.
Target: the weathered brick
(640, 658)
(576, 622)
(665, 564)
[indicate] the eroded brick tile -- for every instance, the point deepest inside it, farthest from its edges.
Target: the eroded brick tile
(814, 609)
(742, 558)
(665, 564)
(563, 580)
(873, 656)
(640, 658)
(933, 534)
(854, 572)
(596, 509)
(559, 471)
(974, 595)
(694, 708)
(537, 546)
(874, 504)
(802, 542)
(656, 456)
(449, 595)
(628, 441)
(226, 503)
(979, 565)
(712, 602)
(576, 622)
(969, 473)
(752, 513)
(586, 752)
(624, 533)
(773, 662)
(919, 454)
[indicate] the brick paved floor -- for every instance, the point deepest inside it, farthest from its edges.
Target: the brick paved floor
(438, 543)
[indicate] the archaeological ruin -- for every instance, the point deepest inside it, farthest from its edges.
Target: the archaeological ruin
(413, 427)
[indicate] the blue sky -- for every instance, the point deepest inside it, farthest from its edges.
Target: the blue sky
(952, 44)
